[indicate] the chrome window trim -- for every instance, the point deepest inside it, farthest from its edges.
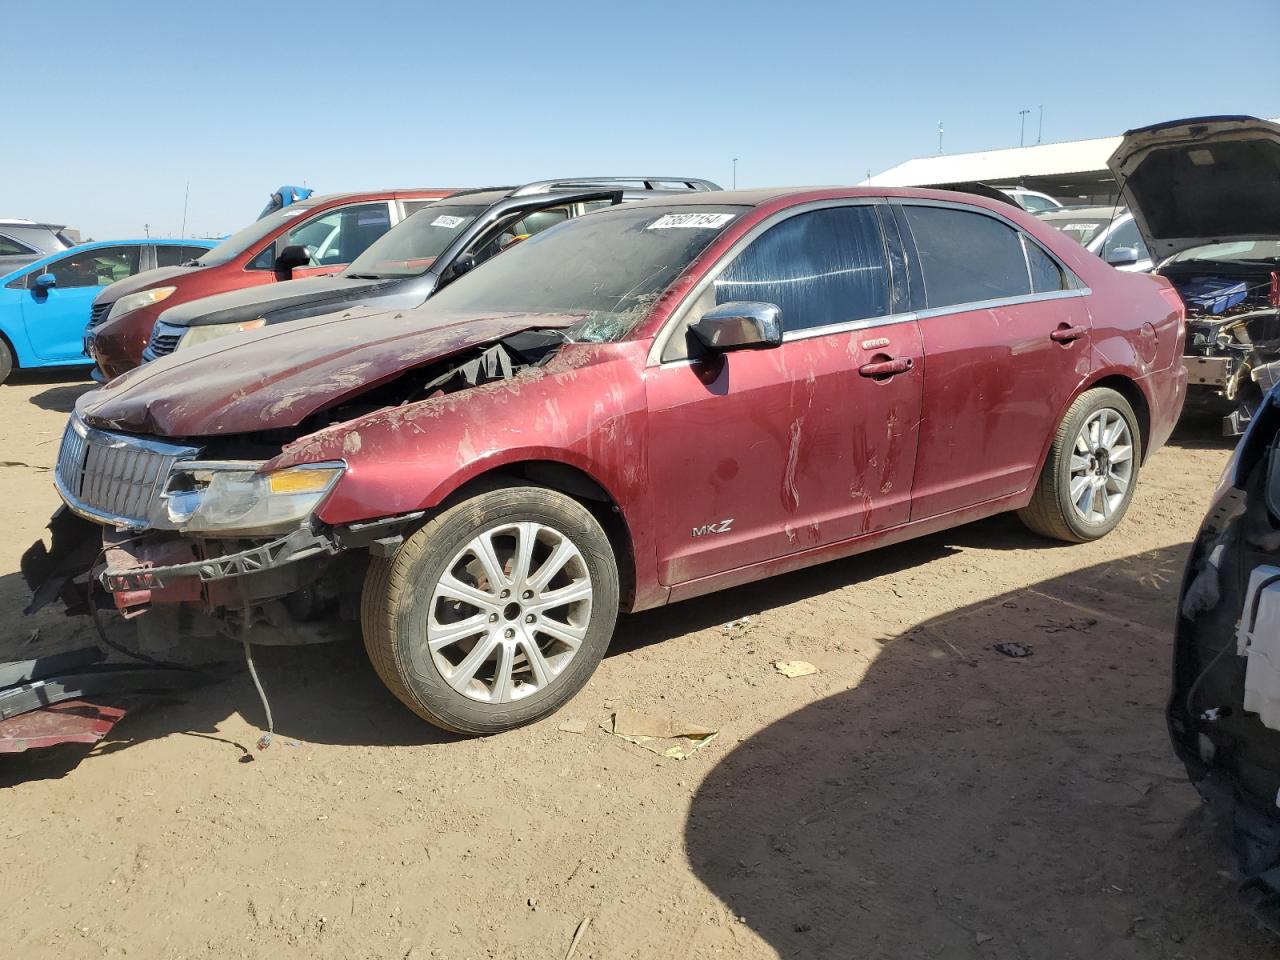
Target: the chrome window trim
(849, 326)
(1002, 302)
(676, 320)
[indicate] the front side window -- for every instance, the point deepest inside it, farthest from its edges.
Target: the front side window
(493, 242)
(1036, 204)
(411, 248)
(609, 268)
(823, 267)
(342, 235)
(93, 268)
(967, 257)
(250, 235)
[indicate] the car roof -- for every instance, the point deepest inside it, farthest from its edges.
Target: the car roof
(98, 245)
(316, 200)
(1098, 212)
(763, 195)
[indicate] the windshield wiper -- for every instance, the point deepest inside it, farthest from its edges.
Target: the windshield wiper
(364, 276)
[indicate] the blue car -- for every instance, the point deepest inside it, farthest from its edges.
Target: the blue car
(44, 305)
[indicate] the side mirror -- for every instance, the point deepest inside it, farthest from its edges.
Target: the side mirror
(45, 282)
(465, 263)
(1119, 256)
(741, 325)
(291, 257)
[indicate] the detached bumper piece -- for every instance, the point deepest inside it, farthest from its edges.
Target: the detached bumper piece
(74, 697)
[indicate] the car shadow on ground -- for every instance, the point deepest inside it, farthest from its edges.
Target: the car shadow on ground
(958, 802)
(62, 399)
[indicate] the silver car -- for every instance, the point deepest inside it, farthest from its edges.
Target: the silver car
(22, 241)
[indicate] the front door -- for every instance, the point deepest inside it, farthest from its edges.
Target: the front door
(1006, 345)
(760, 454)
(55, 318)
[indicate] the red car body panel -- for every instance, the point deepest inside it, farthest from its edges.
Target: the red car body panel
(117, 344)
(789, 454)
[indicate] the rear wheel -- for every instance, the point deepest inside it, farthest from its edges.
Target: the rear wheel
(6, 360)
(496, 612)
(1091, 471)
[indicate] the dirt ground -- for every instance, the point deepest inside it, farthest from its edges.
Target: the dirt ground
(921, 796)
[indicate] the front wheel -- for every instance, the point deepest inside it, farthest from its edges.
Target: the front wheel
(1091, 471)
(496, 612)
(6, 361)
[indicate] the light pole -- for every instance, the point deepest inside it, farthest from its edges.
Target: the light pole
(1022, 132)
(1040, 126)
(939, 136)
(735, 173)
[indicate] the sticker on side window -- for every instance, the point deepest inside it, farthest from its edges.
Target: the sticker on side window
(444, 220)
(694, 221)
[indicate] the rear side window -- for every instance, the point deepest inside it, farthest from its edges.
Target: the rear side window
(821, 268)
(10, 247)
(172, 256)
(967, 257)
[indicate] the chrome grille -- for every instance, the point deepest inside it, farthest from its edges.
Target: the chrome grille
(97, 313)
(114, 477)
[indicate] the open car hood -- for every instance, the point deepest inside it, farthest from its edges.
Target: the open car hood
(279, 376)
(1206, 180)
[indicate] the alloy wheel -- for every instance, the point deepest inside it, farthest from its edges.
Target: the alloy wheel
(1101, 466)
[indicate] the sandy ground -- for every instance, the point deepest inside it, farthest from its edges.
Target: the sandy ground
(921, 796)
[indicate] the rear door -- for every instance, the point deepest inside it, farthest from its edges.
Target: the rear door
(56, 319)
(1006, 336)
(760, 454)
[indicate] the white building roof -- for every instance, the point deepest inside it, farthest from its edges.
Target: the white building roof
(999, 166)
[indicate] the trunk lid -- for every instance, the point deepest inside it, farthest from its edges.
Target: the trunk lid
(1200, 181)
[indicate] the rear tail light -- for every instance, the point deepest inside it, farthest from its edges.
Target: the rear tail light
(1275, 289)
(1171, 297)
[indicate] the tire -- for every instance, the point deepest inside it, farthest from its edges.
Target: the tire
(1052, 511)
(6, 360)
(403, 603)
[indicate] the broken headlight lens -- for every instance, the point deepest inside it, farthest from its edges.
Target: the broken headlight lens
(234, 498)
(198, 335)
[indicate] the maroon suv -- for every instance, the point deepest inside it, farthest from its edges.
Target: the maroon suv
(308, 238)
(644, 404)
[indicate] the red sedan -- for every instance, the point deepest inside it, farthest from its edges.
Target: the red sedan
(642, 405)
(308, 238)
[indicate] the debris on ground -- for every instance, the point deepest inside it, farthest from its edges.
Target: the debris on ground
(671, 737)
(573, 726)
(735, 624)
(1072, 623)
(578, 934)
(795, 668)
(1011, 649)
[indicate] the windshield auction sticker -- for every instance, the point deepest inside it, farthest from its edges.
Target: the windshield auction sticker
(691, 221)
(444, 220)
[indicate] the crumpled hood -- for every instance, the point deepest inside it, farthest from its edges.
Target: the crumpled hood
(1207, 180)
(238, 306)
(279, 376)
(141, 281)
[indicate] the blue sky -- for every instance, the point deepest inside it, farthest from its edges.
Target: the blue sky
(121, 104)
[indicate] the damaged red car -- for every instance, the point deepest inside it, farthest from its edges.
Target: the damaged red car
(641, 405)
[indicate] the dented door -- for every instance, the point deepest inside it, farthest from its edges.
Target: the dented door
(765, 453)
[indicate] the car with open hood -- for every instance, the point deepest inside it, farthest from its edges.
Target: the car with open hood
(1224, 707)
(1205, 196)
(647, 403)
(310, 237)
(410, 262)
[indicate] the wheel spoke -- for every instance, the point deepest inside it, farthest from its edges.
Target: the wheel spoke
(1117, 483)
(1079, 463)
(454, 589)
(465, 672)
(441, 635)
(501, 691)
(526, 537)
(1112, 435)
(1121, 454)
(566, 633)
(571, 593)
(1078, 487)
(563, 552)
(1104, 499)
(542, 673)
(482, 547)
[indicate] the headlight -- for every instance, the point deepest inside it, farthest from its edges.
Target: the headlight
(198, 335)
(227, 498)
(143, 298)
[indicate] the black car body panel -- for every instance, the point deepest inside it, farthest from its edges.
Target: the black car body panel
(1224, 710)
